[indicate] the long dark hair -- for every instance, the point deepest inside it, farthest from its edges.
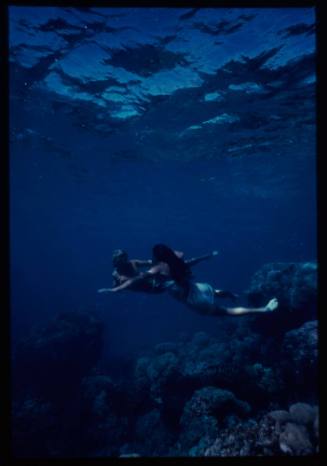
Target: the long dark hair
(179, 271)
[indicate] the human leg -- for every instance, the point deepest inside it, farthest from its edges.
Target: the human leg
(236, 311)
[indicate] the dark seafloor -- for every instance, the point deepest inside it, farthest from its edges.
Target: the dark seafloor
(194, 127)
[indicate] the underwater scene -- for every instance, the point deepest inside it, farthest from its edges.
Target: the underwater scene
(163, 224)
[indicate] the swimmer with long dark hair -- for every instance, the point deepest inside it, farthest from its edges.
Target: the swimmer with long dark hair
(176, 275)
(155, 280)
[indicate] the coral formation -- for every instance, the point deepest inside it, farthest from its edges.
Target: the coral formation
(202, 414)
(247, 393)
(275, 433)
(295, 287)
(299, 358)
(64, 350)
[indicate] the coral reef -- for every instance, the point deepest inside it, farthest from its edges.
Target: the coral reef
(236, 365)
(280, 432)
(152, 435)
(250, 392)
(35, 426)
(299, 361)
(295, 287)
(105, 424)
(214, 402)
(202, 414)
(64, 350)
(48, 367)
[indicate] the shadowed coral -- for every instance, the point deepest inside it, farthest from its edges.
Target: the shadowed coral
(280, 415)
(205, 361)
(104, 425)
(264, 380)
(294, 440)
(182, 398)
(64, 350)
(202, 414)
(249, 438)
(303, 413)
(200, 339)
(295, 287)
(156, 370)
(300, 358)
(151, 434)
(214, 401)
(198, 434)
(34, 427)
(98, 394)
(273, 434)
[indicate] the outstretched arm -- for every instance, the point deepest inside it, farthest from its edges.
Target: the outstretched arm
(196, 260)
(127, 284)
(140, 263)
(131, 281)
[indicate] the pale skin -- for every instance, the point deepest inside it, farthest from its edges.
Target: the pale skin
(163, 269)
(238, 311)
(136, 264)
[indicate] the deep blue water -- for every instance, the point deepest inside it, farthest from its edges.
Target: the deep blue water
(194, 132)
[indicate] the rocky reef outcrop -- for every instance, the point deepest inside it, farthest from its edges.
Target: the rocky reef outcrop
(295, 287)
(292, 432)
(239, 365)
(48, 367)
(105, 423)
(203, 413)
(35, 428)
(54, 358)
(251, 391)
(299, 358)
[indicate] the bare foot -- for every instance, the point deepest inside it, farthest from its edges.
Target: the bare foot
(272, 305)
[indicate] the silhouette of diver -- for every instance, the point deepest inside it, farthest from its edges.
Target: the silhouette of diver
(156, 279)
(169, 272)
